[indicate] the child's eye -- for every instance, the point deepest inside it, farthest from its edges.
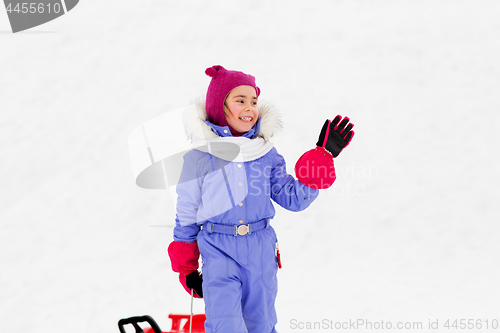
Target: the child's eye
(254, 103)
(240, 101)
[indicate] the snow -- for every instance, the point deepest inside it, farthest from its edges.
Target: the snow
(409, 232)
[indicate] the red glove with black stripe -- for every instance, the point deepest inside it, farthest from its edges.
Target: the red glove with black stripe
(315, 167)
(184, 258)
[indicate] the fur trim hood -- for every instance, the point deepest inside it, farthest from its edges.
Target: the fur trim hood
(197, 130)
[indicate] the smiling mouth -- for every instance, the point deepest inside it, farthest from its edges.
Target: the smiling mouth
(246, 118)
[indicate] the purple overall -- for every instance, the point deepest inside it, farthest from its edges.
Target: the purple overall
(239, 271)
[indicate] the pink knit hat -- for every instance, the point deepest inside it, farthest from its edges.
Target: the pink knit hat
(223, 81)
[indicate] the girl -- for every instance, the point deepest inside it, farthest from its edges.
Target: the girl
(224, 203)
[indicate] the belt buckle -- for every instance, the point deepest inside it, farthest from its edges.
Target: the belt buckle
(242, 230)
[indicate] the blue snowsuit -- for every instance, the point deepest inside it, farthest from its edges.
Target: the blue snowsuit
(239, 272)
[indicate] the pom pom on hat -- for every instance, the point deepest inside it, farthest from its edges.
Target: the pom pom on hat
(212, 71)
(223, 81)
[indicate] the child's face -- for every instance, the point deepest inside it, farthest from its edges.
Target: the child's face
(240, 108)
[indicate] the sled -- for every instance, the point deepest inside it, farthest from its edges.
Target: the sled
(197, 324)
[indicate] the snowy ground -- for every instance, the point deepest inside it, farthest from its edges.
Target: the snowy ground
(409, 232)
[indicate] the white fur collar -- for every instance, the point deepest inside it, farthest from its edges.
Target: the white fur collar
(197, 130)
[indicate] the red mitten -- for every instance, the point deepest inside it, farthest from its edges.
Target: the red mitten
(184, 258)
(315, 168)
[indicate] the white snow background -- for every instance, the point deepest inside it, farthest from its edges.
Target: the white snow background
(409, 231)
